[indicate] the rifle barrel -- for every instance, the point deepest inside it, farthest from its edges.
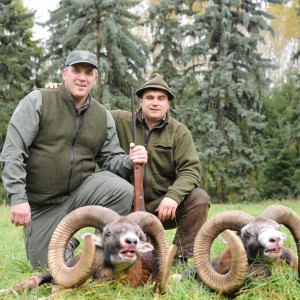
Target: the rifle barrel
(133, 115)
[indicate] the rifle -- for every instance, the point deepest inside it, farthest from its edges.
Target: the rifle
(138, 197)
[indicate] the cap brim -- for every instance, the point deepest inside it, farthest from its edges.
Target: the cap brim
(82, 61)
(140, 92)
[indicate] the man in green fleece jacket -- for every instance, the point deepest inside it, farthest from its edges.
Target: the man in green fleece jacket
(172, 173)
(54, 140)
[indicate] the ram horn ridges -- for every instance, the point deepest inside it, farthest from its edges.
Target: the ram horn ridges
(235, 278)
(153, 227)
(287, 217)
(87, 216)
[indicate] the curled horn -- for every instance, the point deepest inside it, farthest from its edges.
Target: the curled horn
(88, 216)
(167, 266)
(287, 217)
(236, 277)
(153, 227)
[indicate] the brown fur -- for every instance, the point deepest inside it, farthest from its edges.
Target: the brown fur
(135, 275)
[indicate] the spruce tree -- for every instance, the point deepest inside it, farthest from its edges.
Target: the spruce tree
(280, 175)
(164, 21)
(19, 53)
(19, 58)
(225, 109)
(168, 21)
(105, 28)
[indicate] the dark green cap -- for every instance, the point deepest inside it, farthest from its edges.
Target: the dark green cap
(156, 82)
(81, 56)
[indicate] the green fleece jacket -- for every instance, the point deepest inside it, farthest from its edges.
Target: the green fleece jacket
(173, 167)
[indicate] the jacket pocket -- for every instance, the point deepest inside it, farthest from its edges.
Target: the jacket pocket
(41, 175)
(162, 161)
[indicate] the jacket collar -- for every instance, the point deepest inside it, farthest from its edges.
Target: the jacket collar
(164, 121)
(66, 95)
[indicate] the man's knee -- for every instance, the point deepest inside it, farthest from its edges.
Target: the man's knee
(108, 190)
(197, 197)
(123, 203)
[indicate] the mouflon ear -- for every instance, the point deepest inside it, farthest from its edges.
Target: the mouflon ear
(97, 239)
(145, 247)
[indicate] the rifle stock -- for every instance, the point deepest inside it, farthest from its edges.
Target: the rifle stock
(138, 200)
(138, 196)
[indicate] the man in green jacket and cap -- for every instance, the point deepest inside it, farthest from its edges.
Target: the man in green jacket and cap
(53, 142)
(172, 173)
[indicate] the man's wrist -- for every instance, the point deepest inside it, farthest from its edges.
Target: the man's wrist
(17, 200)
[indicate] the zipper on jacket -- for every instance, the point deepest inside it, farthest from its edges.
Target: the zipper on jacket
(147, 136)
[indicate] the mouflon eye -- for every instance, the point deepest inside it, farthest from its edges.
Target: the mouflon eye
(108, 234)
(247, 236)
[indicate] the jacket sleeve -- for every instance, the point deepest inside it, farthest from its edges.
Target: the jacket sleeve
(21, 131)
(112, 157)
(187, 167)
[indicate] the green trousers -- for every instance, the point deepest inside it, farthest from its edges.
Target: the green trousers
(103, 189)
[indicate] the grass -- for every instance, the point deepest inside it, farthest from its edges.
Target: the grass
(14, 268)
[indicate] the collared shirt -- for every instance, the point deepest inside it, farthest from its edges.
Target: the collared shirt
(83, 107)
(148, 130)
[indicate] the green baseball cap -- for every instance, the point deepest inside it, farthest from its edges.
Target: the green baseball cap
(81, 56)
(155, 82)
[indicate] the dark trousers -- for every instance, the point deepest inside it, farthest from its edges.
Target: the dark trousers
(190, 215)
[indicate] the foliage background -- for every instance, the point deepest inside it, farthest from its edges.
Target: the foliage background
(232, 65)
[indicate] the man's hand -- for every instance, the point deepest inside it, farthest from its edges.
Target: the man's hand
(138, 154)
(52, 85)
(167, 209)
(20, 214)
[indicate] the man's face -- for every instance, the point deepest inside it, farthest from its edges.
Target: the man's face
(154, 104)
(79, 80)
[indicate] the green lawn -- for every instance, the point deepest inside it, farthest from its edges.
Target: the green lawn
(14, 268)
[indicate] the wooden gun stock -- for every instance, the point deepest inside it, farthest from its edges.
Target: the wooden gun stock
(138, 197)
